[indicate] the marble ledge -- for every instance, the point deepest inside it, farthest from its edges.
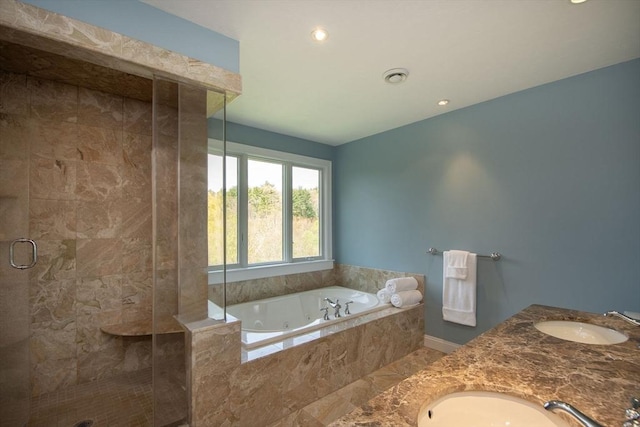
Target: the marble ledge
(517, 359)
(35, 27)
(142, 328)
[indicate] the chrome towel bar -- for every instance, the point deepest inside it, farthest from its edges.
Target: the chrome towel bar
(494, 255)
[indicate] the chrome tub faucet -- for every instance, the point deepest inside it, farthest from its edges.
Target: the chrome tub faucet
(623, 317)
(336, 307)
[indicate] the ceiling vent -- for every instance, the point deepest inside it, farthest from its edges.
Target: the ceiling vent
(395, 75)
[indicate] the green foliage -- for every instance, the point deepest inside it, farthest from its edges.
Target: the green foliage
(264, 200)
(265, 229)
(302, 204)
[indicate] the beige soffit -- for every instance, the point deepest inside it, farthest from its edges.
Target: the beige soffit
(31, 26)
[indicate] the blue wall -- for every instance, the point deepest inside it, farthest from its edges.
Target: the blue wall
(549, 176)
(143, 22)
(270, 140)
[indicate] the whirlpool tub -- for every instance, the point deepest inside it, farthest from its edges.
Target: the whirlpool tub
(278, 318)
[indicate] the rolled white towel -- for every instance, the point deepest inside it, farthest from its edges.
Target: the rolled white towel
(384, 296)
(401, 284)
(406, 298)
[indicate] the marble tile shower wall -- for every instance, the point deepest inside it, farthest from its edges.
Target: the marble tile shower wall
(85, 159)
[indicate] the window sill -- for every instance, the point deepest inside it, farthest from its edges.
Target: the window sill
(251, 273)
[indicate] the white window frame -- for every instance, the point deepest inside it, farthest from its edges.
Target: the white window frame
(242, 271)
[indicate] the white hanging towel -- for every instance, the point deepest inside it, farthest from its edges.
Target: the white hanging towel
(459, 295)
(457, 264)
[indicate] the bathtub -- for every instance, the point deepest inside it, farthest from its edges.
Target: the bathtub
(276, 319)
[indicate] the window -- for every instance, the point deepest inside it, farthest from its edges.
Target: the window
(278, 213)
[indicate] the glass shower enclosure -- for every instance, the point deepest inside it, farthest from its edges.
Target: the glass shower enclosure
(103, 239)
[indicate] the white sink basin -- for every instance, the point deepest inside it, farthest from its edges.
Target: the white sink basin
(585, 333)
(486, 409)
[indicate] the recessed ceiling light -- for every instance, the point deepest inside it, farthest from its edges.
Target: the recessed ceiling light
(443, 102)
(578, 1)
(395, 75)
(319, 34)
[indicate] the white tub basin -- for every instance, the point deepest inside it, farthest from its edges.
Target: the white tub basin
(486, 409)
(585, 333)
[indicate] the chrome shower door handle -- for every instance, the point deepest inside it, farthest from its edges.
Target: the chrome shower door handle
(34, 254)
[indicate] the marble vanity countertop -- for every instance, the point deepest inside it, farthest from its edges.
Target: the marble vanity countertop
(516, 358)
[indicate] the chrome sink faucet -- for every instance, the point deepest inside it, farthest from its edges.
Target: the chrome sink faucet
(336, 307)
(623, 317)
(582, 418)
(633, 414)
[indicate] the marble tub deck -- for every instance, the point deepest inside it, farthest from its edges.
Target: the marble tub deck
(517, 359)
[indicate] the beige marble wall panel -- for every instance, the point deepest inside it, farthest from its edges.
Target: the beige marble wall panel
(252, 290)
(14, 144)
(52, 219)
(95, 295)
(137, 354)
(99, 220)
(193, 292)
(52, 179)
(99, 144)
(136, 219)
(100, 109)
(52, 300)
(54, 140)
(136, 255)
(56, 260)
(14, 294)
(361, 278)
(14, 200)
(137, 117)
(52, 101)
(136, 173)
(97, 182)
(136, 297)
(52, 355)
(165, 294)
(370, 279)
(212, 354)
(14, 94)
(98, 257)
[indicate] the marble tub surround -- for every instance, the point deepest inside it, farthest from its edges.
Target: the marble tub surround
(516, 358)
(370, 279)
(224, 390)
(257, 289)
(361, 278)
(38, 28)
(334, 405)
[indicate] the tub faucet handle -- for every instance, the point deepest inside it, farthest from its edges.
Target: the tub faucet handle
(346, 307)
(326, 313)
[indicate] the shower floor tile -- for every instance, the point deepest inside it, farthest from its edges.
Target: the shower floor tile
(125, 400)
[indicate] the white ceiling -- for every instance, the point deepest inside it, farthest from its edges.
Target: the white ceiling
(468, 51)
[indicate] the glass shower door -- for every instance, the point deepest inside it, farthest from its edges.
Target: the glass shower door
(14, 280)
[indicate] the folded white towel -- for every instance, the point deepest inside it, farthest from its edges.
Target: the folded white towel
(456, 266)
(384, 296)
(459, 295)
(401, 284)
(406, 298)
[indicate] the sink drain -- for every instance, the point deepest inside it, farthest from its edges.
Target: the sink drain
(84, 423)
